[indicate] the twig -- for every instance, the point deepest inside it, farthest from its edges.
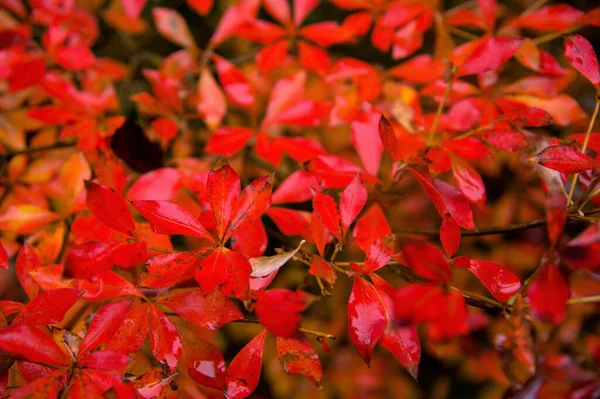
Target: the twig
(481, 232)
(302, 330)
(554, 35)
(440, 108)
(32, 150)
(583, 299)
(462, 33)
(65, 240)
(583, 148)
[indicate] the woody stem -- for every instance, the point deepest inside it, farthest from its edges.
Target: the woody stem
(583, 148)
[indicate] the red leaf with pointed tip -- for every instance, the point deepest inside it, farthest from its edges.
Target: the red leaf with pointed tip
(228, 269)
(352, 201)
(548, 295)
(388, 137)
(133, 8)
(160, 185)
(49, 307)
(292, 222)
(336, 172)
(27, 261)
(468, 148)
(132, 330)
(106, 285)
(10, 307)
(453, 317)
(172, 26)
(109, 207)
(224, 188)
(489, 55)
(470, 183)
(98, 254)
(297, 356)
(228, 140)
(107, 360)
(450, 236)
(501, 283)
(447, 199)
(279, 311)
(165, 341)
(212, 104)
(582, 57)
(104, 324)
(244, 370)
(564, 159)
(202, 7)
(167, 269)
(370, 227)
(554, 17)
(3, 258)
(380, 253)
(207, 365)
(320, 268)
(326, 209)
(233, 18)
(235, 85)
(48, 386)
(295, 188)
(252, 202)
(367, 139)
(367, 318)
(33, 345)
(403, 343)
(251, 240)
(209, 311)
(313, 58)
(427, 261)
(169, 218)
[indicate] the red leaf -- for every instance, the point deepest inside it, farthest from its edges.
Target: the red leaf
(165, 341)
(367, 318)
(99, 254)
(450, 236)
(49, 307)
(251, 240)
(564, 159)
(453, 318)
(208, 367)
(326, 209)
(202, 7)
(297, 356)
(109, 207)
(403, 343)
(10, 307)
(555, 17)
(447, 199)
(470, 183)
(320, 268)
(167, 269)
(292, 222)
(253, 201)
(33, 345)
(279, 311)
(366, 133)
(169, 218)
(224, 188)
(295, 188)
(107, 360)
(380, 253)
(160, 185)
(313, 58)
(501, 283)
(548, 295)
(233, 18)
(243, 372)
(209, 311)
(388, 137)
(370, 227)
(352, 201)
(234, 84)
(172, 26)
(106, 285)
(131, 332)
(3, 258)
(48, 386)
(212, 104)
(228, 140)
(336, 172)
(133, 8)
(103, 326)
(582, 57)
(228, 269)
(468, 148)
(489, 55)
(27, 261)
(427, 261)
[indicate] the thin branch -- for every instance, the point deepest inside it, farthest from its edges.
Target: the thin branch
(583, 148)
(483, 231)
(441, 105)
(481, 302)
(462, 33)
(32, 150)
(583, 299)
(314, 333)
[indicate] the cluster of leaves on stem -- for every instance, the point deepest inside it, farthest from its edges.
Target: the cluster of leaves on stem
(165, 216)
